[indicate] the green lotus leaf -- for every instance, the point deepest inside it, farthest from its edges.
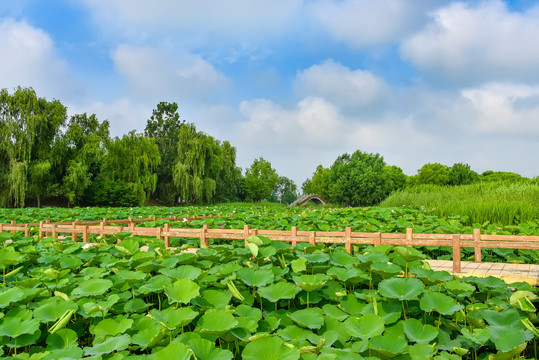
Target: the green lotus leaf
(182, 291)
(174, 351)
(64, 354)
(374, 257)
(9, 256)
(294, 333)
(256, 240)
(111, 327)
(183, 272)
(116, 343)
(217, 321)
(56, 274)
(421, 351)
(17, 326)
(312, 318)
(431, 277)
(478, 336)
(269, 348)
(311, 282)
(523, 300)
(386, 270)
(419, 333)
(92, 287)
(149, 336)
(256, 278)
(61, 339)
(409, 254)
(298, 265)
(365, 327)
(401, 288)
(70, 263)
(131, 277)
(217, 298)
(389, 346)
(490, 282)
(316, 258)
(443, 304)
(156, 284)
(174, 318)
(278, 291)
(249, 312)
(253, 248)
(389, 311)
(512, 339)
(206, 350)
(352, 305)
(348, 274)
(334, 312)
(53, 308)
(10, 295)
(459, 288)
(342, 258)
(338, 354)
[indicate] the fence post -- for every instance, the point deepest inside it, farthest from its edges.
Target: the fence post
(409, 236)
(26, 230)
(1, 228)
(13, 223)
(102, 227)
(166, 235)
(477, 243)
(348, 236)
(47, 233)
(312, 237)
(204, 242)
(41, 233)
(246, 230)
(456, 253)
(294, 235)
(85, 237)
(74, 233)
(377, 239)
(54, 233)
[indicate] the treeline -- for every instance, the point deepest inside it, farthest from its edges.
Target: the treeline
(45, 154)
(363, 179)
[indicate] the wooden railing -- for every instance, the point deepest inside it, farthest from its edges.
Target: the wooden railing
(349, 238)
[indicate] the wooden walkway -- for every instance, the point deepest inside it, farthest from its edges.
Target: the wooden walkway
(507, 272)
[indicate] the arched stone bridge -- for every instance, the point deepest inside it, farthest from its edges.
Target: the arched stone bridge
(305, 198)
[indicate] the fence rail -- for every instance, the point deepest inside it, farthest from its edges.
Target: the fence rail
(349, 238)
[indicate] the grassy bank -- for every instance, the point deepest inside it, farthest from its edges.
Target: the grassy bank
(493, 202)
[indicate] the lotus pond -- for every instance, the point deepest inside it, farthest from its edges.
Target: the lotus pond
(271, 301)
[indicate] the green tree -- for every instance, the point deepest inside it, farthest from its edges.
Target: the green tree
(198, 164)
(435, 174)
(29, 126)
(260, 180)
(285, 191)
(461, 174)
(85, 139)
(164, 126)
(502, 176)
(228, 181)
(397, 178)
(319, 183)
(358, 179)
(133, 160)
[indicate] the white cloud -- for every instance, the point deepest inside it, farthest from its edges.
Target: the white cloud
(477, 43)
(29, 60)
(342, 86)
(154, 73)
(366, 22)
(505, 108)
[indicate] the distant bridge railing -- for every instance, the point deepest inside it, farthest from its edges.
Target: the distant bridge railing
(303, 199)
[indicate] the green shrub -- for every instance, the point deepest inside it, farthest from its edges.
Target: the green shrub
(110, 193)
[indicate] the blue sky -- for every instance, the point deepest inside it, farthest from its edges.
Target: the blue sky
(298, 82)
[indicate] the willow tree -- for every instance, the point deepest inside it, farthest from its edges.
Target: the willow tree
(133, 160)
(85, 140)
(198, 165)
(29, 126)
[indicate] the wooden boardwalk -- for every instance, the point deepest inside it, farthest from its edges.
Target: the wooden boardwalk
(507, 272)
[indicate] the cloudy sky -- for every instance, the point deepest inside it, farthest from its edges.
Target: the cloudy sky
(298, 82)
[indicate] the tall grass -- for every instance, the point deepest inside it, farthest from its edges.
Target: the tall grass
(499, 203)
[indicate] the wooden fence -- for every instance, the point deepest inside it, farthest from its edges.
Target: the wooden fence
(349, 238)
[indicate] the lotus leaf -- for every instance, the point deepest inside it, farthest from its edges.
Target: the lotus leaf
(312, 318)
(311, 282)
(9, 256)
(10, 295)
(512, 339)
(269, 348)
(204, 349)
(341, 258)
(338, 354)
(421, 351)
(111, 327)
(365, 327)
(294, 333)
(316, 258)
(217, 321)
(334, 312)
(298, 265)
(131, 277)
(216, 298)
(174, 318)
(389, 346)
(249, 312)
(459, 288)
(352, 305)
(254, 277)
(182, 291)
(92, 287)
(278, 291)
(183, 272)
(155, 285)
(61, 339)
(443, 304)
(419, 333)
(53, 308)
(176, 351)
(409, 254)
(478, 336)
(17, 326)
(401, 288)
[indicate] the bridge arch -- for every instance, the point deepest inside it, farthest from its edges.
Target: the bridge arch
(304, 199)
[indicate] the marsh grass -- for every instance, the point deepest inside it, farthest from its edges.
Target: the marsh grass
(508, 204)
